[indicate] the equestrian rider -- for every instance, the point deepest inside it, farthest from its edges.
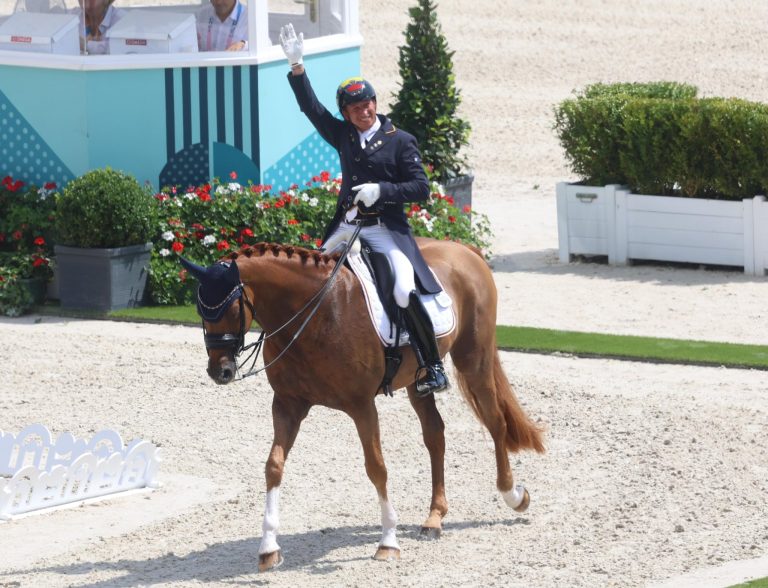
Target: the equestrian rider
(381, 171)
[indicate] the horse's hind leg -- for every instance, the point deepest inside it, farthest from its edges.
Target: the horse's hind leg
(287, 415)
(487, 390)
(433, 432)
(367, 422)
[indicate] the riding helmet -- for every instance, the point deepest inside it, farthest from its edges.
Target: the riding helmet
(354, 90)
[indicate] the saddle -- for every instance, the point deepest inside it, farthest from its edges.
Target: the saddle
(376, 276)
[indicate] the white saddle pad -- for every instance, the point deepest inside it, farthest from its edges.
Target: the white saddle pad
(439, 306)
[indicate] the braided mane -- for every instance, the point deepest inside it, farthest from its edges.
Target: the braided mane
(276, 249)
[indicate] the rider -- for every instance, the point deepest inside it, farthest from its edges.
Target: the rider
(381, 171)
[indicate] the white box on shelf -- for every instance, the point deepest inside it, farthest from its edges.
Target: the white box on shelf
(145, 31)
(42, 33)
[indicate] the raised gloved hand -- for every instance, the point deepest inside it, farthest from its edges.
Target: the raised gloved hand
(368, 194)
(293, 46)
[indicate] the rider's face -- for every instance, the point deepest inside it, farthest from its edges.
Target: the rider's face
(361, 114)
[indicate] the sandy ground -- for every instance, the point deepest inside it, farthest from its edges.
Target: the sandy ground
(652, 471)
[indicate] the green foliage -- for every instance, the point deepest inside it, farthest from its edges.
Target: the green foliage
(105, 208)
(205, 223)
(672, 90)
(15, 297)
(427, 103)
(660, 139)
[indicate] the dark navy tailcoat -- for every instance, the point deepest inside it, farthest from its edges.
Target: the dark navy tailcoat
(391, 159)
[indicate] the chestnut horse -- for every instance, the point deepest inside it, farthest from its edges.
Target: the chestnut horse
(337, 361)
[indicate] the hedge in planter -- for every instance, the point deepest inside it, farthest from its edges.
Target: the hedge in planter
(105, 221)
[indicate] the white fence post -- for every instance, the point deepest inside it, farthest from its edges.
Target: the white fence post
(760, 232)
(749, 237)
(562, 223)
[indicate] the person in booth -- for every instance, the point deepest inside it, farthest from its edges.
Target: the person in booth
(222, 25)
(381, 171)
(96, 17)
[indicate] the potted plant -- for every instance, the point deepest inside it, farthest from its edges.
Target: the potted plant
(428, 100)
(666, 176)
(104, 223)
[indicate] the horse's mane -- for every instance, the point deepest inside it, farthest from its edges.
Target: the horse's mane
(303, 254)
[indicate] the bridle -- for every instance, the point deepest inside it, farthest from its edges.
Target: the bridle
(236, 343)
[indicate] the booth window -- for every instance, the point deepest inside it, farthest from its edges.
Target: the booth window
(100, 27)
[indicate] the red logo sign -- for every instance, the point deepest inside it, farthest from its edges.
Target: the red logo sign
(135, 41)
(19, 39)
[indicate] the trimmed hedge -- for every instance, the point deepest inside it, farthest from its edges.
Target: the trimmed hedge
(658, 138)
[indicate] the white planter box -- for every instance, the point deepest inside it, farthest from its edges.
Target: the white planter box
(611, 221)
(145, 31)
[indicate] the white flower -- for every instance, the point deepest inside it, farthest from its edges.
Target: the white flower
(313, 201)
(234, 187)
(190, 196)
(168, 236)
(221, 190)
(304, 197)
(209, 240)
(164, 252)
(428, 224)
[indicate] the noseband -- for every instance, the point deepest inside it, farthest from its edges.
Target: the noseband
(234, 343)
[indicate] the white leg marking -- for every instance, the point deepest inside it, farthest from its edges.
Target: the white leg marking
(271, 522)
(514, 497)
(388, 525)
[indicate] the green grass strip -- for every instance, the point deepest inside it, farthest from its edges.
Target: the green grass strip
(759, 583)
(526, 339)
(631, 347)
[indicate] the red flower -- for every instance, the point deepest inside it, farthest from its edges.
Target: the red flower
(197, 226)
(293, 221)
(38, 261)
(233, 175)
(318, 242)
(451, 219)
(325, 176)
(266, 205)
(294, 186)
(7, 180)
(246, 233)
(177, 247)
(204, 196)
(17, 235)
(15, 186)
(183, 275)
(50, 186)
(449, 200)
(305, 237)
(279, 203)
(222, 245)
(415, 208)
(467, 208)
(199, 235)
(39, 241)
(315, 178)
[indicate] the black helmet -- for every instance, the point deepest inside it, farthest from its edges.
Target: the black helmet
(354, 90)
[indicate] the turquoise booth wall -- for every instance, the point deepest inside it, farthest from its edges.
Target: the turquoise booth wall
(167, 126)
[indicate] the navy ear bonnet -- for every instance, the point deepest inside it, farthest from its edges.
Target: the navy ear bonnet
(219, 287)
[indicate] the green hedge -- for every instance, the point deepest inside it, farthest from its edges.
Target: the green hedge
(658, 138)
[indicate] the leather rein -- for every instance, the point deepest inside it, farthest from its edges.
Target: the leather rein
(236, 343)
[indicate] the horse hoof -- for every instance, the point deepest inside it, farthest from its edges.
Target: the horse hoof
(523, 506)
(270, 561)
(387, 554)
(430, 533)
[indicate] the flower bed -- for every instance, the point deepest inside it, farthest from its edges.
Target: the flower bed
(204, 223)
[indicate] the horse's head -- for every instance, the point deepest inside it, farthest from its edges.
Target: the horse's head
(224, 322)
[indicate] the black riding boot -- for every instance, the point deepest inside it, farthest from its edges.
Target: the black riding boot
(425, 346)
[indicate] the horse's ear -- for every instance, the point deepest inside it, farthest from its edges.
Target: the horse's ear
(196, 270)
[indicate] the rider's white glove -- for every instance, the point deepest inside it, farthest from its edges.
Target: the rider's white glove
(368, 194)
(293, 46)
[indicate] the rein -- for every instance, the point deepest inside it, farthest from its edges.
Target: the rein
(237, 342)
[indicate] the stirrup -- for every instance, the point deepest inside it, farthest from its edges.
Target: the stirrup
(434, 381)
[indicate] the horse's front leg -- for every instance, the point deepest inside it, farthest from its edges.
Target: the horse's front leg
(433, 433)
(367, 422)
(287, 415)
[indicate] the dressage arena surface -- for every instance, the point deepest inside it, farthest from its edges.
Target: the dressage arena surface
(655, 474)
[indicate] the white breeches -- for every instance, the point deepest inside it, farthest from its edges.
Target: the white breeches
(381, 241)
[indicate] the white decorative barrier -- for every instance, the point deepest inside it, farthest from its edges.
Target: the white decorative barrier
(611, 221)
(38, 473)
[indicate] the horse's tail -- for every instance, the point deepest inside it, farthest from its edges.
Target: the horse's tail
(522, 432)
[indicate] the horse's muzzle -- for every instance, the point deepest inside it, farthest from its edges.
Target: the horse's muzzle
(223, 371)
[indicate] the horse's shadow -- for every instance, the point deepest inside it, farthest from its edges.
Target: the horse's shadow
(310, 552)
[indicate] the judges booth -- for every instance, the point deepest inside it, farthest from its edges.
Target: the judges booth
(154, 105)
